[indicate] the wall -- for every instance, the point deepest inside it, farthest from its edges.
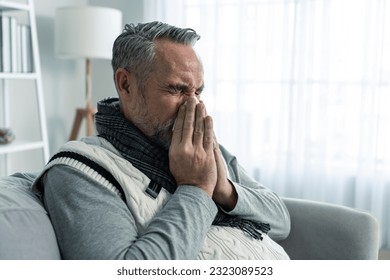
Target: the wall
(102, 81)
(63, 81)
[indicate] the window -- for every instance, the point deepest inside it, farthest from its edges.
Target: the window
(304, 87)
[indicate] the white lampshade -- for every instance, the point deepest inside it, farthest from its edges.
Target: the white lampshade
(86, 31)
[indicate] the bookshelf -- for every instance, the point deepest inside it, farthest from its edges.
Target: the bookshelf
(21, 75)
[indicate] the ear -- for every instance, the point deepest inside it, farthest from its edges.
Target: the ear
(125, 83)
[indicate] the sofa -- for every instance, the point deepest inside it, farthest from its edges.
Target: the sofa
(319, 231)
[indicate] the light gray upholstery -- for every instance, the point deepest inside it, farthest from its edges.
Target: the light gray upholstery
(322, 231)
(25, 228)
(318, 230)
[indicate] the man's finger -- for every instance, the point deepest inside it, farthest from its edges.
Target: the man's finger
(189, 119)
(178, 126)
(208, 138)
(199, 125)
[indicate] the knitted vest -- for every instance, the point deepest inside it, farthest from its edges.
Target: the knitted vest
(220, 242)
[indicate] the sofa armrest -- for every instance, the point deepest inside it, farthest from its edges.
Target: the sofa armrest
(322, 231)
(25, 228)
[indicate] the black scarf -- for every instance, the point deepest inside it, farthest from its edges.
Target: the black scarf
(152, 159)
(143, 153)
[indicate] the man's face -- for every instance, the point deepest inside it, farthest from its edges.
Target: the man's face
(177, 76)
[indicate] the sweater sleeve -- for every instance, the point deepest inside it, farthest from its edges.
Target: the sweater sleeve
(256, 202)
(91, 222)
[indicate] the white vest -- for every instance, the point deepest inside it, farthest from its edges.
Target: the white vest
(220, 242)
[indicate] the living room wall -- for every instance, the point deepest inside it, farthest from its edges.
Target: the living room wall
(63, 82)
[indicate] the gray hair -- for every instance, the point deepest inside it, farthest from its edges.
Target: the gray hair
(134, 48)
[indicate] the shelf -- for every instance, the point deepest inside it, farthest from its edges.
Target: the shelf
(12, 6)
(20, 145)
(23, 144)
(18, 75)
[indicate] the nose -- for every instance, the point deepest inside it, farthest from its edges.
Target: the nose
(191, 97)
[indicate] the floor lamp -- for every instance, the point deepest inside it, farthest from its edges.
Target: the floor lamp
(86, 32)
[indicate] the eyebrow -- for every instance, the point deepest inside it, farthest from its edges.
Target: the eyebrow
(184, 87)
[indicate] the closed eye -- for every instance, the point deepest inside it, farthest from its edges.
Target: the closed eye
(199, 90)
(177, 89)
(183, 89)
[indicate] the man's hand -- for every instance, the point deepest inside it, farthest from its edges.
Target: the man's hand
(191, 154)
(225, 194)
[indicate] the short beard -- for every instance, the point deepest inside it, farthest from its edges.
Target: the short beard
(162, 134)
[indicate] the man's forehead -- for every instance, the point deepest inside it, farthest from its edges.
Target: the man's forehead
(178, 64)
(174, 52)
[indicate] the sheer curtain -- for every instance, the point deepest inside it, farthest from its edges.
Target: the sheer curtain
(300, 92)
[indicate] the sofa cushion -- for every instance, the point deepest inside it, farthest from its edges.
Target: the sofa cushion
(25, 228)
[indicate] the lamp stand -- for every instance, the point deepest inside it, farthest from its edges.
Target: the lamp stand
(88, 112)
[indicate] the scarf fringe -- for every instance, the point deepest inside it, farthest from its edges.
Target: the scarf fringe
(253, 229)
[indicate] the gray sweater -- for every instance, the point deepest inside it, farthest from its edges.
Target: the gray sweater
(92, 222)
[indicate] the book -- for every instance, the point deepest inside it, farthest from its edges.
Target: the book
(19, 47)
(1, 44)
(14, 45)
(26, 52)
(5, 44)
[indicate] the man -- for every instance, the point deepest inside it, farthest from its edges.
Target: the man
(154, 183)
